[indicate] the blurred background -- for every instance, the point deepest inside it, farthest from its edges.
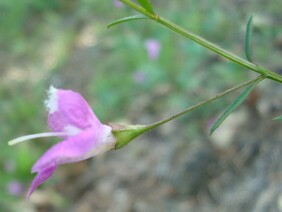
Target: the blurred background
(139, 72)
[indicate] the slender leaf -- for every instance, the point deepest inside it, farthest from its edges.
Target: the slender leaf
(126, 19)
(232, 107)
(248, 39)
(146, 4)
(278, 118)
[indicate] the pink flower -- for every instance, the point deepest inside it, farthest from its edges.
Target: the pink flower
(117, 3)
(153, 47)
(15, 188)
(139, 77)
(71, 118)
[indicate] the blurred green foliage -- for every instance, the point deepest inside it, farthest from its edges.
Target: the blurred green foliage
(66, 43)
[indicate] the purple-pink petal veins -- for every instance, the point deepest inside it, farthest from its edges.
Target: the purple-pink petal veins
(69, 111)
(75, 148)
(86, 144)
(75, 109)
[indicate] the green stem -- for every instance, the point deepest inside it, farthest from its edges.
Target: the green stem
(213, 47)
(126, 133)
(205, 102)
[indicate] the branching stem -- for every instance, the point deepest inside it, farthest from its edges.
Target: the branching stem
(209, 45)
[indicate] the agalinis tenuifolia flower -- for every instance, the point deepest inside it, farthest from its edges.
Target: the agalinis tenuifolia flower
(83, 135)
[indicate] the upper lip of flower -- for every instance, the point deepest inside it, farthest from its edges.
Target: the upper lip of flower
(84, 135)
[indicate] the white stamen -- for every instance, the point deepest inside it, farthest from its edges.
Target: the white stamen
(52, 102)
(39, 135)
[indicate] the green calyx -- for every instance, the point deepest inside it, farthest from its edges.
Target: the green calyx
(126, 133)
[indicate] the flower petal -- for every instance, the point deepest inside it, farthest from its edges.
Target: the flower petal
(69, 110)
(42, 176)
(86, 144)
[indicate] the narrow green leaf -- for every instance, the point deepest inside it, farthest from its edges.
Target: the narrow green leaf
(232, 107)
(146, 4)
(126, 19)
(278, 118)
(248, 39)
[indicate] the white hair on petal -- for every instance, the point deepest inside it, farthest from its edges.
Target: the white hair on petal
(51, 103)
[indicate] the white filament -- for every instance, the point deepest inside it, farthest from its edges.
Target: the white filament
(39, 135)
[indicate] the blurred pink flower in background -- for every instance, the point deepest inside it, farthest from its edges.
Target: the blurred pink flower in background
(139, 77)
(153, 47)
(117, 3)
(15, 188)
(9, 166)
